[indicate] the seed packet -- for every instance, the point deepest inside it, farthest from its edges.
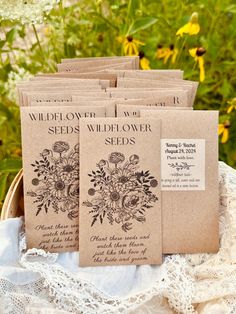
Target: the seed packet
(87, 67)
(148, 74)
(160, 98)
(190, 86)
(120, 204)
(106, 79)
(105, 60)
(189, 180)
(50, 140)
(62, 97)
(134, 110)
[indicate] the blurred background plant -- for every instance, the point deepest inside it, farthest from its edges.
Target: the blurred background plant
(197, 36)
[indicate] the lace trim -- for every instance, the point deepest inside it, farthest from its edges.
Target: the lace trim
(197, 283)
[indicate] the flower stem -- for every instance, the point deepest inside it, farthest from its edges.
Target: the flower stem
(38, 42)
(181, 50)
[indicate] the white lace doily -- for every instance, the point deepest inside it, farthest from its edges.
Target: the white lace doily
(40, 283)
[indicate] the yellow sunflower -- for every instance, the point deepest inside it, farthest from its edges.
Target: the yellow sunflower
(144, 62)
(232, 105)
(161, 51)
(130, 45)
(197, 54)
(191, 28)
(166, 52)
(223, 129)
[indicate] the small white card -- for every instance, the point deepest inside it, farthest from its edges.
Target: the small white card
(183, 164)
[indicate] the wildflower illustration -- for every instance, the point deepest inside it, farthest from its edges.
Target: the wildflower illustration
(120, 193)
(56, 182)
(181, 166)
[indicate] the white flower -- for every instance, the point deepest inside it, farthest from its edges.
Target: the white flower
(31, 11)
(15, 77)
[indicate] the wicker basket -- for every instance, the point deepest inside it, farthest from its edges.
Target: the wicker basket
(13, 205)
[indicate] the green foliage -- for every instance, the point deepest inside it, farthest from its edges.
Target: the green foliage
(89, 28)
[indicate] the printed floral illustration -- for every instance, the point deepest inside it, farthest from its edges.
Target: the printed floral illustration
(120, 192)
(181, 166)
(56, 182)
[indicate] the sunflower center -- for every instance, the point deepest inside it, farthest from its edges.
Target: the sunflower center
(200, 51)
(141, 54)
(129, 38)
(123, 179)
(59, 185)
(67, 168)
(115, 196)
(134, 200)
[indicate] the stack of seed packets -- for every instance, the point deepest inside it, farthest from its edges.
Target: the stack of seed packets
(116, 164)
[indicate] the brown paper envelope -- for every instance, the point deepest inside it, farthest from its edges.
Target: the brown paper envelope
(155, 74)
(109, 104)
(55, 81)
(191, 86)
(102, 64)
(28, 97)
(190, 191)
(49, 88)
(103, 83)
(50, 140)
(134, 110)
(148, 74)
(105, 59)
(143, 89)
(82, 68)
(69, 80)
(175, 99)
(143, 94)
(178, 96)
(120, 205)
(67, 103)
(97, 75)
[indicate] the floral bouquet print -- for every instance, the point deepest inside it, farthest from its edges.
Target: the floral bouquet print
(57, 180)
(120, 192)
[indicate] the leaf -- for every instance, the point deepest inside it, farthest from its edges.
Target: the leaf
(126, 226)
(73, 214)
(10, 36)
(2, 43)
(94, 219)
(38, 211)
(7, 113)
(225, 89)
(140, 24)
(3, 185)
(87, 203)
(2, 120)
(231, 8)
(132, 7)
(10, 165)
